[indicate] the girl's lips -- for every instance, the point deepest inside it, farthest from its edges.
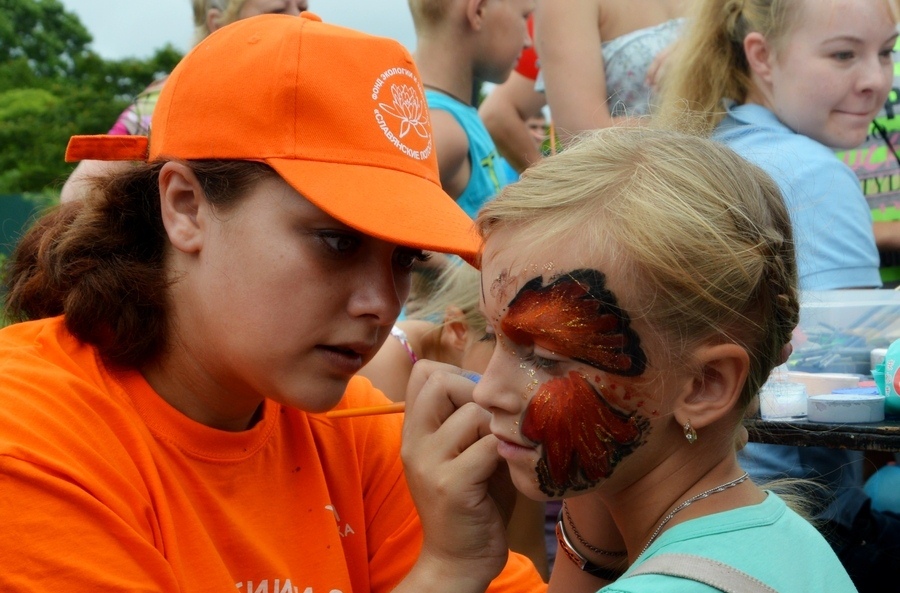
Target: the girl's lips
(510, 450)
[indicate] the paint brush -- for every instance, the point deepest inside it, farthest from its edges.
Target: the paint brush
(367, 410)
(387, 408)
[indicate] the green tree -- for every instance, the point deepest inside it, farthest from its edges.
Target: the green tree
(41, 32)
(53, 85)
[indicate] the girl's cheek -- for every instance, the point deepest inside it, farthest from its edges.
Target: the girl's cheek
(584, 430)
(625, 396)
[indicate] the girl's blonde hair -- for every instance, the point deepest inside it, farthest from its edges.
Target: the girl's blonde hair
(456, 286)
(229, 11)
(709, 64)
(700, 237)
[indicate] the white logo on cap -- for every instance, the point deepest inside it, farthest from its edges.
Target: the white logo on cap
(403, 117)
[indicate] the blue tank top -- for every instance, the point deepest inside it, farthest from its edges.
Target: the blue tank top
(489, 170)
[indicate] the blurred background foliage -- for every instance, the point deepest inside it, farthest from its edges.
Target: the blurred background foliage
(53, 85)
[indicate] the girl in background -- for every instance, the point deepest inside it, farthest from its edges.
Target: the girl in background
(448, 328)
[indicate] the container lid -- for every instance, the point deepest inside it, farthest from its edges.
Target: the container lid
(856, 391)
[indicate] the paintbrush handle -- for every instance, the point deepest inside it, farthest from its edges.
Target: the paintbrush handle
(367, 411)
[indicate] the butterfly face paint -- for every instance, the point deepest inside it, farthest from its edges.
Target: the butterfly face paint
(583, 435)
(576, 316)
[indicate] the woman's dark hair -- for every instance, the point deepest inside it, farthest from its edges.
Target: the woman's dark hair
(101, 261)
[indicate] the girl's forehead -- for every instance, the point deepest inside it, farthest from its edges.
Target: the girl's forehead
(509, 261)
(504, 271)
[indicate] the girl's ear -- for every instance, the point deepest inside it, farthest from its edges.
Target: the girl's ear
(759, 56)
(455, 334)
(715, 389)
(181, 196)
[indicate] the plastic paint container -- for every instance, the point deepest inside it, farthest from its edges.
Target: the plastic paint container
(782, 400)
(841, 408)
(891, 365)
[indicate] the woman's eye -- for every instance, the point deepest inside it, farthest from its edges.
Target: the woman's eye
(843, 55)
(340, 243)
(407, 258)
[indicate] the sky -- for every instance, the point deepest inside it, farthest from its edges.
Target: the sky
(136, 28)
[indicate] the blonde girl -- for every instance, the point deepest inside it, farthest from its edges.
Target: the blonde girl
(641, 286)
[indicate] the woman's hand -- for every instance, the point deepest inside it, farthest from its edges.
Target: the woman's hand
(459, 482)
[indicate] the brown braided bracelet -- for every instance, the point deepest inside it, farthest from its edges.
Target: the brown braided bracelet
(578, 536)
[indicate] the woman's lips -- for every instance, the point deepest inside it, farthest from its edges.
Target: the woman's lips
(344, 360)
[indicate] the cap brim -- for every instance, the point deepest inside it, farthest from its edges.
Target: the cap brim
(387, 204)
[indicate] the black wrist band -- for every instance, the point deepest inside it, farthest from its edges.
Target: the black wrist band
(580, 561)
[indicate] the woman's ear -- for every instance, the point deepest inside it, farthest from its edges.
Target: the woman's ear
(715, 389)
(759, 56)
(181, 196)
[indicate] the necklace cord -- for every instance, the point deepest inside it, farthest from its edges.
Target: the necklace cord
(688, 503)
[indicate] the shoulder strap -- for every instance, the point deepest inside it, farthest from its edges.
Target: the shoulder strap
(705, 570)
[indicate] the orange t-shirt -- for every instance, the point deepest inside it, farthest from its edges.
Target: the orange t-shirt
(105, 487)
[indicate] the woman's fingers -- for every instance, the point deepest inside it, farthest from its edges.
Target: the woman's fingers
(453, 468)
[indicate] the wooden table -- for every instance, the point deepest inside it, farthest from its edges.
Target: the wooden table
(874, 436)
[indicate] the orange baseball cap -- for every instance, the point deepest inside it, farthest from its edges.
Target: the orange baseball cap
(339, 114)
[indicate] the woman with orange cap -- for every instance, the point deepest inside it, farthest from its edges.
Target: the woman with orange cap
(188, 322)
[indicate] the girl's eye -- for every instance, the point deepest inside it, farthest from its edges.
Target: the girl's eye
(488, 338)
(843, 55)
(887, 53)
(340, 243)
(542, 364)
(407, 258)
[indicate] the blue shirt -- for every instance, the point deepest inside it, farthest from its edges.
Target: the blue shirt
(831, 220)
(489, 170)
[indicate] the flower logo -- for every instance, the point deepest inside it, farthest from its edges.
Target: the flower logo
(409, 108)
(403, 112)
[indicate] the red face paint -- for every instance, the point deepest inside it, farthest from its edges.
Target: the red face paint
(582, 435)
(576, 316)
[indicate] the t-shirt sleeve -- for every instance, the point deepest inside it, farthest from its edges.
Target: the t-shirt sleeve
(60, 536)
